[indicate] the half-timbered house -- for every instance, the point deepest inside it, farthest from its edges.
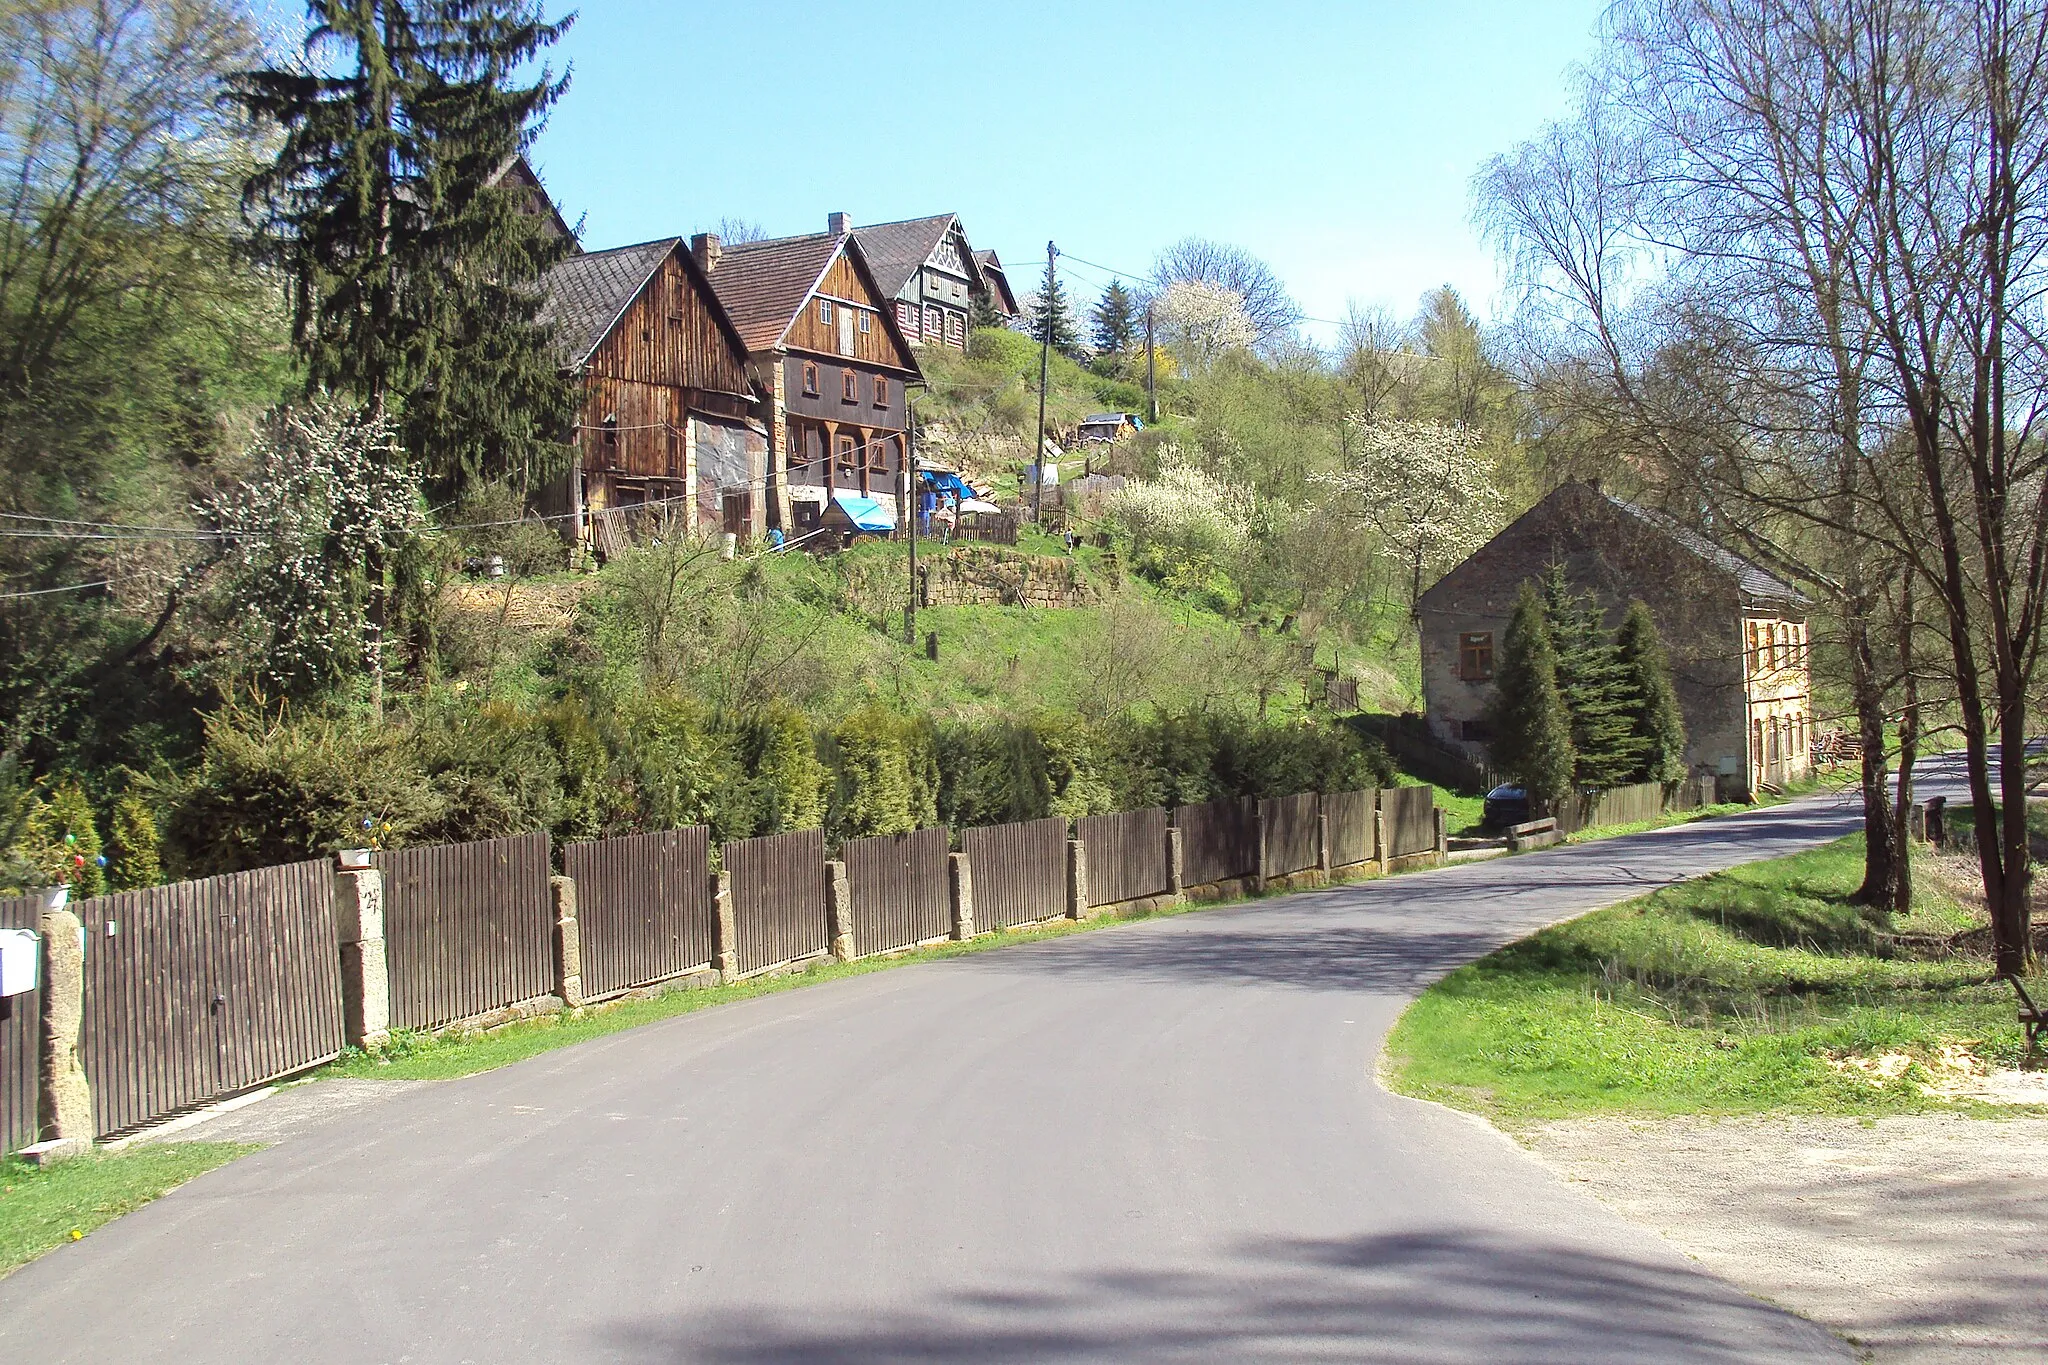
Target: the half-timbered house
(927, 267)
(825, 351)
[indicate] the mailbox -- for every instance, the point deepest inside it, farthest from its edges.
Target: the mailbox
(21, 960)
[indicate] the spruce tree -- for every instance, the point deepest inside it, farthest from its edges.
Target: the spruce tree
(1598, 691)
(1115, 319)
(981, 311)
(1531, 727)
(1051, 320)
(1657, 721)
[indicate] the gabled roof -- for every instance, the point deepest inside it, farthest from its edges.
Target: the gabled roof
(896, 250)
(589, 293)
(999, 279)
(1754, 580)
(764, 285)
(520, 171)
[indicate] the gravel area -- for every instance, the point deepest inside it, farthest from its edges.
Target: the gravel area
(1918, 1238)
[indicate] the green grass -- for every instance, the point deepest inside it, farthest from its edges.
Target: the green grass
(41, 1209)
(1725, 995)
(1664, 821)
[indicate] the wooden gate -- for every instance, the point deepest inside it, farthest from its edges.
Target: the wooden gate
(1126, 854)
(20, 1039)
(778, 897)
(468, 928)
(898, 885)
(643, 907)
(1020, 872)
(1291, 828)
(1410, 819)
(1350, 816)
(203, 989)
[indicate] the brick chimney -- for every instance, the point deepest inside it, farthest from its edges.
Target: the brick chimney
(838, 224)
(706, 247)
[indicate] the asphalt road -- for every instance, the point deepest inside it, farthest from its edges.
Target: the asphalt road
(1159, 1141)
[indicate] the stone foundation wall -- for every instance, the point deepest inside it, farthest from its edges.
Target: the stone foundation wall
(990, 576)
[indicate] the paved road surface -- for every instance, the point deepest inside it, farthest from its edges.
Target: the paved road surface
(1160, 1141)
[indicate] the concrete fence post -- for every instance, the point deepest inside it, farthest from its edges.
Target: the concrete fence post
(1176, 862)
(725, 940)
(1443, 832)
(1259, 836)
(1916, 822)
(1077, 879)
(960, 881)
(1379, 841)
(839, 910)
(64, 1105)
(365, 971)
(1323, 843)
(568, 943)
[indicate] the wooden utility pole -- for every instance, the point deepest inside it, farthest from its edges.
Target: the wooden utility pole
(1151, 378)
(1045, 306)
(913, 495)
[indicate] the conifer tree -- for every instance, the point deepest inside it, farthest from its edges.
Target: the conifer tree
(1052, 320)
(1598, 691)
(981, 310)
(1115, 319)
(1531, 726)
(1658, 723)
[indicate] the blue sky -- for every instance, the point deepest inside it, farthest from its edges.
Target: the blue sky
(1334, 139)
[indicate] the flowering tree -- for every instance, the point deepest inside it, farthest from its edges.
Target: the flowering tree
(307, 535)
(1201, 320)
(1429, 491)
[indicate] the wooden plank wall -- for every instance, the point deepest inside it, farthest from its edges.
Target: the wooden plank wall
(778, 897)
(1290, 827)
(1218, 840)
(1411, 819)
(843, 283)
(898, 886)
(1020, 872)
(1350, 816)
(203, 989)
(1126, 854)
(1615, 806)
(643, 905)
(20, 1039)
(468, 928)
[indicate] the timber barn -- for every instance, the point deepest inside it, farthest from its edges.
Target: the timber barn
(1736, 634)
(669, 418)
(825, 352)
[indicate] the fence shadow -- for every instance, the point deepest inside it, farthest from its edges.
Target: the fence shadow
(1395, 1297)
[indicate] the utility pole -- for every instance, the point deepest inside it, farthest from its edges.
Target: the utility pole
(913, 495)
(1151, 378)
(1045, 303)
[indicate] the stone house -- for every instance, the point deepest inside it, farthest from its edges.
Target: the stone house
(1736, 633)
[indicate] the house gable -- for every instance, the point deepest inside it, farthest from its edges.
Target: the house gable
(847, 280)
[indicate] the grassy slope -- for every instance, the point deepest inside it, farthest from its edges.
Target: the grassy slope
(1724, 995)
(41, 1209)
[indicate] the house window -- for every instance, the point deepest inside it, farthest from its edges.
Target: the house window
(933, 325)
(810, 381)
(611, 432)
(864, 318)
(1475, 732)
(849, 387)
(904, 318)
(1475, 656)
(848, 448)
(956, 329)
(825, 312)
(878, 454)
(881, 391)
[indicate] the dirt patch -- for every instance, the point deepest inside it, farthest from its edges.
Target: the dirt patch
(531, 606)
(1954, 1073)
(1918, 1238)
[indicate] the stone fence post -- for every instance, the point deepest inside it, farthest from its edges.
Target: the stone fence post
(960, 882)
(568, 943)
(725, 939)
(1379, 840)
(64, 1105)
(1323, 843)
(1077, 879)
(1443, 833)
(1176, 862)
(365, 972)
(1259, 835)
(839, 910)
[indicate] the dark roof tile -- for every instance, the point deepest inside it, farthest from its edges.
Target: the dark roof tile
(763, 284)
(894, 251)
(587, 293)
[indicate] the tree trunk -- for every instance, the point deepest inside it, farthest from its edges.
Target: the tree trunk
(1880, 850)
(1909, 752)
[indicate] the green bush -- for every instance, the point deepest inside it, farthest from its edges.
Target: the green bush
(133, 845)
(61, 841)
(886, 776)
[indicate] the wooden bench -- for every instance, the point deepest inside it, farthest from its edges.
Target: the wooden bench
(2030, 1016)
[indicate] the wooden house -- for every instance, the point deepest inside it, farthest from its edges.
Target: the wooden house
(825, 351)
(927, 267)
(669, 417)
(1001, 296)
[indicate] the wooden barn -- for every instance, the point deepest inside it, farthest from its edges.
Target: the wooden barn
(669, 419)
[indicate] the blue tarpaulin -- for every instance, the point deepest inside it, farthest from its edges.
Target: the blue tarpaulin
(941, 481)
(867, 514)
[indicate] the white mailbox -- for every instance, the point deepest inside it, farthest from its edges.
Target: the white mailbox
(21, 959)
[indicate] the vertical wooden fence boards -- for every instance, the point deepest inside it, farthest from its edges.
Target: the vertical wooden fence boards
(1020, 872)
(1350, 816)
(898, 885)
(1218, 840)
(1615, 806)
(468, 928)
(1410, 819)
(202, 989)
(778, 897)
(1126, 854)
(1291, 827)
(20, 1039)
(643, 907)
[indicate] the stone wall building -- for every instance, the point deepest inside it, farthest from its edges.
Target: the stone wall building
(1736, 633)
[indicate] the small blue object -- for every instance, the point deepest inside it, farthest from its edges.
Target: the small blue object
(366, 822)
(101, 860)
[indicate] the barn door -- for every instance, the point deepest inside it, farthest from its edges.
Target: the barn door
(738, 510)
(846, 331)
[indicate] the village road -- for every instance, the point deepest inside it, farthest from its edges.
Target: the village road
(1159, 1141)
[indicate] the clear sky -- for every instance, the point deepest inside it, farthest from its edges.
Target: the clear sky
(1335, 139)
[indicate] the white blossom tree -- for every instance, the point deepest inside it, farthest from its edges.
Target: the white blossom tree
(1428, 490)
(1200, 320)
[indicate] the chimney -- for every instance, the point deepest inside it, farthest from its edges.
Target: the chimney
(838, 224)
(706, 248)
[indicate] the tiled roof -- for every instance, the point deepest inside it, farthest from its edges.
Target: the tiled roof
(587, 293)
(896, 250)
(763, 284)
(1753, 579)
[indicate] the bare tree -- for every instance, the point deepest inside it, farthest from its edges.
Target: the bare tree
(1197, 260)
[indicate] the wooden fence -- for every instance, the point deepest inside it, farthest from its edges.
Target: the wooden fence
(1020, 872)
(20, 1039)
(1615, 806)
(1291, 829)
(643, 907)
(1126, 854)
(202, 989)
(997, 528)
(468, 928)
(1410, 819)
(1350, 815)
(1693, 793)
(1218, 840)
(778, 897)
(898, 887)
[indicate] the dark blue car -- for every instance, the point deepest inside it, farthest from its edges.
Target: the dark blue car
(1507, 805)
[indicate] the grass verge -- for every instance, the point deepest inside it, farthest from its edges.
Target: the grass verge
(1731, 994)
(41, 1209)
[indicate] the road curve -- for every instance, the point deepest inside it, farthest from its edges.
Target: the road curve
(1160, 1141)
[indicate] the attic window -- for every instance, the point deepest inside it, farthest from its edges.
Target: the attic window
(863, 322)
(611, 431)
(810, 381)
(825, 312)
(1475, 656)
(849, 387)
